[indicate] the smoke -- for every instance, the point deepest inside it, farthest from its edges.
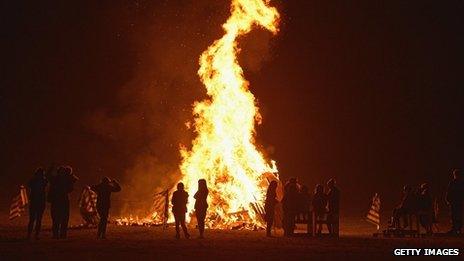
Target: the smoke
(146, 123)
(255, 50)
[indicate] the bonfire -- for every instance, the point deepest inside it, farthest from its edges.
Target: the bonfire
(224, 150)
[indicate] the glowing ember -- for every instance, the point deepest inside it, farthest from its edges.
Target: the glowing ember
(224, 152)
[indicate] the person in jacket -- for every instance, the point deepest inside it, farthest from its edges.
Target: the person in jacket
(179, 208)
(37, 198)
(333, 208)
(60, 186)
(104, 190)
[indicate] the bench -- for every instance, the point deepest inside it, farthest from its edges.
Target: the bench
(411, 230)
(312, 223)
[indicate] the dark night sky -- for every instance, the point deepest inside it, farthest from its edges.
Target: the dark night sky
(370, 92)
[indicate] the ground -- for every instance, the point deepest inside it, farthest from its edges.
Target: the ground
(154, 243)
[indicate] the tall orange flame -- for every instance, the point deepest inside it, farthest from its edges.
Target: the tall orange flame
(224, 151)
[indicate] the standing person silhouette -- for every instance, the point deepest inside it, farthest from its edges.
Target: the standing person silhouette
(405, 208)
(179, 208)
(53, 199)
(319, 204)
(333, 208)
(104, 190)
(201, 205)
(455, 199)
(425, 208)
(37, 186)
(60, 186)
(269, 206)
(290, 206)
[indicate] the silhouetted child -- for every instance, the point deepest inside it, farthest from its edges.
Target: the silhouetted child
(269, 206)
(104, 190)
(319, 205)
(37, 199)
(201, 205)
(179, 208)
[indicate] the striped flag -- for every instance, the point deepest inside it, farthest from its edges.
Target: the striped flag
(373, 216)
(161, 206)
(88, 201)
(19, 203)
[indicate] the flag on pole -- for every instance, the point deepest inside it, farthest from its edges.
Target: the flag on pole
(88, 207)
(373, 216)
(19, 203)
(161, 206)
(88, 200)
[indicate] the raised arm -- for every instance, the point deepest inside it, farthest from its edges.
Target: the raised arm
(115, 186)
(94, 188)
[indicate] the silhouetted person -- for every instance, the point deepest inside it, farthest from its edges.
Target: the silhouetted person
(455, 198)
(104, 190)
(269, 206)
(201, 205)
(60, 186)
(425, 207)
(333, 207)
(88, 207)
(179, 208)
(290, 206)
(37, 199)
(405, 208)
(319, 205)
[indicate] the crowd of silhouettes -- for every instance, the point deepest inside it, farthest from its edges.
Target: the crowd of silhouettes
(297, 200)
(179, 207)
(420, 203)
(60, 182)
(323, 204)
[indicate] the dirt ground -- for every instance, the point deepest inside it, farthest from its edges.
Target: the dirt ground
(154, 243)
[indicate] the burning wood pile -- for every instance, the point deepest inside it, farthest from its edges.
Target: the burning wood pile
(246, 217)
